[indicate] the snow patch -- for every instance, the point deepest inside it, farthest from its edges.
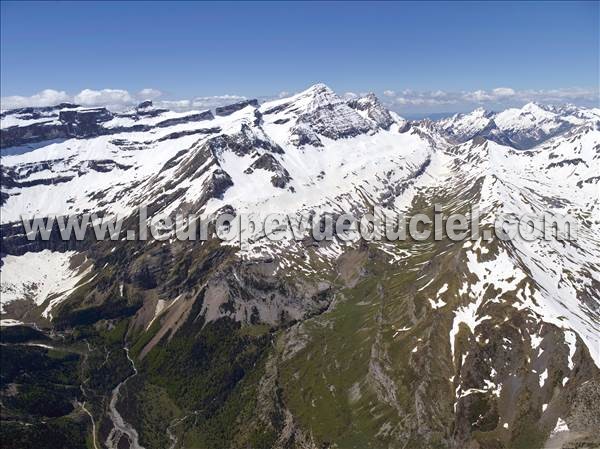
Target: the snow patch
(40, 276)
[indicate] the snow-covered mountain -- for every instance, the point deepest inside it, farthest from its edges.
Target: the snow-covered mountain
(430, 344)
(521, 128)
(204, 153)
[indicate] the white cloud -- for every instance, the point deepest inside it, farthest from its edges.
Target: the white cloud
(439, 94)
(494, 98)
(174, 104)
(478, 96)
(430, 98)
(114, 98)
(149, 94)
(406, 99)
(560, 95)
(47, 97)
(503, 91)
(422, 101)
(482, 96)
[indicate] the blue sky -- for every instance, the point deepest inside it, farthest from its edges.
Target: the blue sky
(457, 53)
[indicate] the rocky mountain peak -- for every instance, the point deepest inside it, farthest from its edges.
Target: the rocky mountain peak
(318, 88)
(365, 102)
(533, 106)
(479, 112)
(145, 104)
(321, 96)
(374, 110)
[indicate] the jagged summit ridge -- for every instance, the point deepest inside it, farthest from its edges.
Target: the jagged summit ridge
(522, 128)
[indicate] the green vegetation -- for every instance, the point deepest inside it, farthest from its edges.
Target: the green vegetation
(61, 433)
(210, 373)
(39, 387)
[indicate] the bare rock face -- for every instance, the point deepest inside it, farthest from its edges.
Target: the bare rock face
(280, 177)
(585, 412)
(85, 123)
(374, 109)
(319, 112)
(231, 108)
(34, 124)
(244, 142)
(31, 134)
(38, 112)
(250, 294)
(303, 134)
(328, 115)
(59, 122)
(205, 115)
(145, 105)
(71, 121)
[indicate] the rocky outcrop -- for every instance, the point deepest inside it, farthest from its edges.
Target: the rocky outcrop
(215, 186)
(374, 109)
(190, 132)
(37, 112)
(60, 122)
(86, 122)
(205, 115)
(244, 142)
(231, 108)
(249, 293)
(70, 121)
(280, 177)
(144, 105)
(331, 117)
(37, 132)
(301, 135)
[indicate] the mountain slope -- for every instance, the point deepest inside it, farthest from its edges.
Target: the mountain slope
(304, 343)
